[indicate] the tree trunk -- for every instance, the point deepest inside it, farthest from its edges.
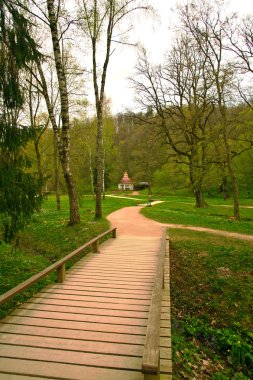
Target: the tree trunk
(103, 181)
(196, 178)
(104, 174)
(57, 176)
(99, 186)
(199, 198)
(38, 159)
(224, 188)
(232, 176)
(91, 173)
(36, 138)
(64, 150)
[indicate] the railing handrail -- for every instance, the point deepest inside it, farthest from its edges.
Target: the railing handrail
(60, 265)
(151, 355)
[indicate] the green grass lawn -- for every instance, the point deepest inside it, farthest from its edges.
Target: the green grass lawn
(212, 309)
(46, 240)
(182, 210)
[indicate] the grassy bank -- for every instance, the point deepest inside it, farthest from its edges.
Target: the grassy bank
(211, 295)
(46, 240)
(217, 215)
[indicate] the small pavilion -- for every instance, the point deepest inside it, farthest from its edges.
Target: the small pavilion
(126, 183)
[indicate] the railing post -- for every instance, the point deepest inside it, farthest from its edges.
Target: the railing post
(96, 246)
(114, 233)
(61, 273)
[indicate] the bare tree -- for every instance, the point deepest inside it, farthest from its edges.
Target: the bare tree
(205, 22)
(181, 94)
(240, 37)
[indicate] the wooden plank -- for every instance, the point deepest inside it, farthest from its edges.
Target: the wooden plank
(77, 325)
(69, 333)
(79, 281)
(116, 277)
(132, 281)
(97, 299)
(166, 366)
(134, 267)
(98, 294)
(76, 357)
(165, 353)
(165, 332)
(87, 304)
(110, 265)
(106, 286)
(165, 377)
(165, 323)
(72, 345)
(64, 371)
(80, 317)
(5, 376)
(86, 311)
(125, 257)
(105, 258)
(135, 280)
(77, 334)
(165, 342)
(165, 315)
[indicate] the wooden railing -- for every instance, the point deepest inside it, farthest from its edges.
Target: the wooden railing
(151, 355)
(58, 265)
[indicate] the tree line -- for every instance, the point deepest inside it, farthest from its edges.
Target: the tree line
(197, 91)
(194, 123)
(37, 51)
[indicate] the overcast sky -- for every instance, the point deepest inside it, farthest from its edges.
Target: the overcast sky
(155, 37)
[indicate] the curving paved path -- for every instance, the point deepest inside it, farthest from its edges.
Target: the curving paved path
(129, 221)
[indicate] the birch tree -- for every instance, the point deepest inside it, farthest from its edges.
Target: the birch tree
(100, 22)
(64, 143)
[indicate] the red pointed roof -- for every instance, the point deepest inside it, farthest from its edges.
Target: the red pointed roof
(126, 179)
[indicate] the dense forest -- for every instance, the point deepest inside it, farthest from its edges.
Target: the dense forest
(191, 130)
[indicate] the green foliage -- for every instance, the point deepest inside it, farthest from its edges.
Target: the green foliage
(17, 49)
(18, 189)
(229, 349)
(18, 198)
(211, 329)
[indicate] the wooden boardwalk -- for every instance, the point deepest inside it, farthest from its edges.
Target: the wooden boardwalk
(93, 325)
